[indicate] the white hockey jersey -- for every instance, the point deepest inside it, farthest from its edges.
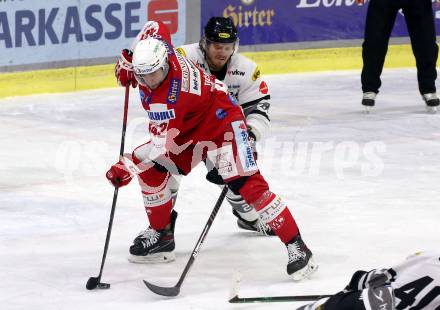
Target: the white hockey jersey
(244, 84)
(416, 282)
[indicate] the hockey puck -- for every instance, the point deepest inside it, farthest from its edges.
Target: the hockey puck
(104, 286)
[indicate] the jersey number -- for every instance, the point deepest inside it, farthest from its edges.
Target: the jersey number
(407, 294)
(158, 129)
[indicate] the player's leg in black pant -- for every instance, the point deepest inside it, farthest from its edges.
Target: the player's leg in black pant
(381, 16)
(421, 28)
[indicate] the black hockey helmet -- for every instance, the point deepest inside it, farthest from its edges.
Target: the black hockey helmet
(221, 30)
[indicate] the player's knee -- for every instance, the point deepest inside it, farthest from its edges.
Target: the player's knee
(254, 188)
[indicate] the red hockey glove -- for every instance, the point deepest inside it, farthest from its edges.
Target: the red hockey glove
(118, 175)
(124, 69)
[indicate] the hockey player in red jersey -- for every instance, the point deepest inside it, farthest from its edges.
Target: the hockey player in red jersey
(412, 284)
(192, 119)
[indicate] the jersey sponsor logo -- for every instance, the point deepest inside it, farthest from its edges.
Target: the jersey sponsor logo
(185, 72)
(237, 72)
(263, 88)
(278, 223)
(244, 149)
(161, 116)
(273, 210)
(256, 74)
(173, 91)
(224, 35)
(155, 200)
(191, 78)
(159, 113)
(195, 78)
(181, 51)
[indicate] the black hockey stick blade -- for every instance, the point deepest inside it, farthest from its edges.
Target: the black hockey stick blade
(164, 291)
(95, 282)
(237, 300)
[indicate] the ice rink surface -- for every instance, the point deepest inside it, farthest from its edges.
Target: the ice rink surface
(364, 189)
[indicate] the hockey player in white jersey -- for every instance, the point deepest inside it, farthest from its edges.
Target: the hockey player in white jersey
(216, 53)
(413, 284)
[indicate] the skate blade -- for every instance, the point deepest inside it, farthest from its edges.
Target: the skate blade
(306, 272)
(164, 257)
(432, 110)
(367, 109)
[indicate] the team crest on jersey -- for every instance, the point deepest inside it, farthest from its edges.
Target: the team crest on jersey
(173, 91)
(256, 74)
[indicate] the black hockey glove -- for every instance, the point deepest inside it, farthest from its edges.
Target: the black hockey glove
(213, 177)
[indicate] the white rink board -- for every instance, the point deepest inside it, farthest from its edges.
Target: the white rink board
(47, 31)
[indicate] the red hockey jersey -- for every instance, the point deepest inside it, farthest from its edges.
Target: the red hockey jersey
(189, 106)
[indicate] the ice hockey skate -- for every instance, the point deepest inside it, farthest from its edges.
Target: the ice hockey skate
(257, 225)
(368, 100)
(432, 102)
(301, 264)
(152, 246)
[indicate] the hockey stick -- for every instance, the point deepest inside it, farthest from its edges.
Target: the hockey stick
(175, 290)
(237, 300)
(95, 282)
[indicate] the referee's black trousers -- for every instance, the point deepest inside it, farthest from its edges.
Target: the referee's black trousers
(381, 16)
